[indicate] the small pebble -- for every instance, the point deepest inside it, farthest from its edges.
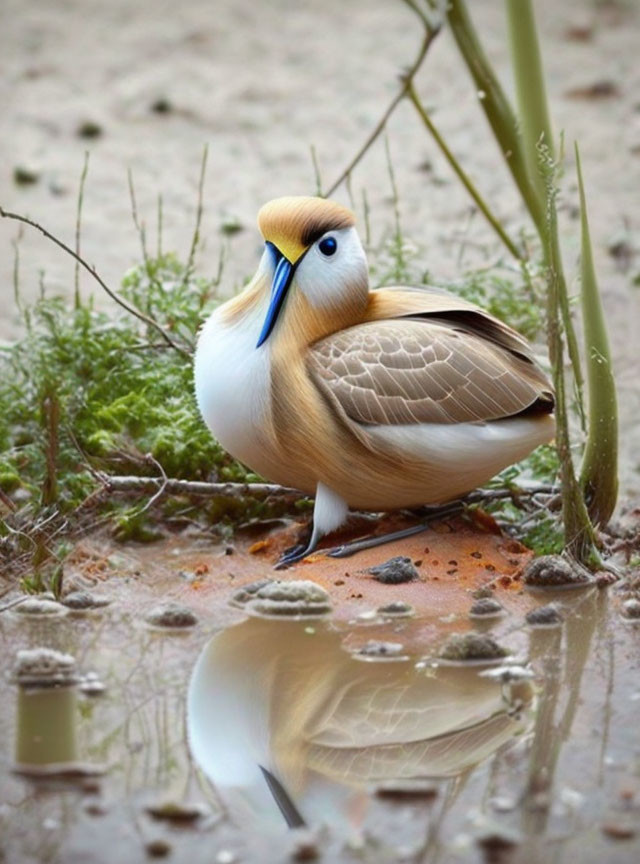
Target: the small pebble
(171, 615)
(296, 597)
(472, 646)
(631, 608)
(161, 105)
(486, 607)
(158, 848)
(404, 789)
(81, 600)
(89, 129)
(305, 846)
(544, 616)
(374, 648)
(397, 609)
(553, 571)
(176, 812)
(395, 571)
(25, 176)
(44, 667)
(39, 606)
(618, 831)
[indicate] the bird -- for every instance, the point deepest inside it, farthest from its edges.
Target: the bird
(287, 723)
(370, 399)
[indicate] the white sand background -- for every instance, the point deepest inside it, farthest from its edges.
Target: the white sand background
(263, 82)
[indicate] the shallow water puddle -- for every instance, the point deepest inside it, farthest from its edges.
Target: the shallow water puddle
(349, 723)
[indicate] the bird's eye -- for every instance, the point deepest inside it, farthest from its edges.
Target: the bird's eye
(328, 246)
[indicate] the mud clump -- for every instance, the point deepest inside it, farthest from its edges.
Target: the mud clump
(465, 647)
(172, 616)
(81, 601)
(553, 571)
(397, 609)
(380, 650)
(279, 598)
(395, 571)
(43, 667)
(544, 616)
(486, 607)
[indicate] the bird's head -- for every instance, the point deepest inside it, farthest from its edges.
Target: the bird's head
(318, 270)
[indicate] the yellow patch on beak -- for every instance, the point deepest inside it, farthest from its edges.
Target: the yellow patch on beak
(291, 248)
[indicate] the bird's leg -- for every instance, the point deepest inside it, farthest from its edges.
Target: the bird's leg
(371, 542)
(329, 512)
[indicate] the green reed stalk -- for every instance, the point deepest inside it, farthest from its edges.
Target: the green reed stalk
(599, 471)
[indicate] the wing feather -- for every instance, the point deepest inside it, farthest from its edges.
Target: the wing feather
(424, 370)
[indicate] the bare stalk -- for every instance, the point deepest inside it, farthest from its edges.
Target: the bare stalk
(599, 471)
(464, 178)
(76, 275)
(431, 30)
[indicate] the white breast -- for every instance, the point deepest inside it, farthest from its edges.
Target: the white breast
(232, 383)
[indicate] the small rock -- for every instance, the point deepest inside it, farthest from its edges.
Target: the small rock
(553, 571)
(305, 846)
(377, 649)
(171, 615)
(496, 840)
(603, 89)
(43, 667)
(39, 606)
(395, 571)
(95, 808)
(177, 812)
(472, 646)
(618, 831)
(89, 129)
(298, 597)
(231, 225)
(81, 600)
(91, 685)
(544, 616)
(404, 789)
(397, 609)
(158, 848)
(25, 176)
(509, 674)
(631, 608)
(161, 105)
(486, 607)
(482, 592)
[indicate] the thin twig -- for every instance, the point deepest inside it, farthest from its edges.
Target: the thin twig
(172, 486)
(6, 214)
(199, 211)
(76, 275)
(462, 175)
(431, 31)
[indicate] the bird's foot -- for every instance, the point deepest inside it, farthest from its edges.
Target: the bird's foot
(292, 555)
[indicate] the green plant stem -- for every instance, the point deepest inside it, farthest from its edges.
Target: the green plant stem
(579, 538)
(495, 105)
(599, 471)
(462, 175)
(536, 136)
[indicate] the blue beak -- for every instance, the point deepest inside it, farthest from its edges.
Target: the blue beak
(279, 287)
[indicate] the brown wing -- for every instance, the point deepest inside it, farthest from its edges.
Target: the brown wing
(430, 302)
(424, 370)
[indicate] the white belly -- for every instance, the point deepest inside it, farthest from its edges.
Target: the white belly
(232, 383)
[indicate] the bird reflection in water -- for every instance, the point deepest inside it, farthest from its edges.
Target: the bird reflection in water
(286, 722)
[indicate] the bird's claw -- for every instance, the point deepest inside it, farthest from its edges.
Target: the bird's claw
(292, 555)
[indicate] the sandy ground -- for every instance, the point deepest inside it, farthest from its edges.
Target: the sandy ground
(262, 83)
